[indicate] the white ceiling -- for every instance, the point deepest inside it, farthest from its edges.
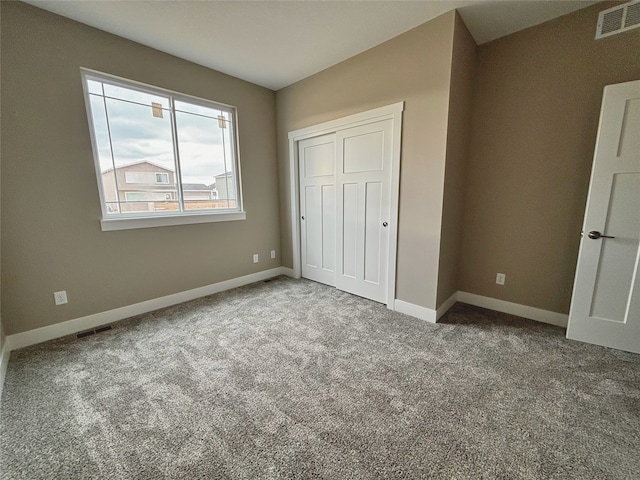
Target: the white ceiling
(276, 43)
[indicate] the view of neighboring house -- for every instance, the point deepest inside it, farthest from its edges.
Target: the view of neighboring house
(145, 187)
(226, 188)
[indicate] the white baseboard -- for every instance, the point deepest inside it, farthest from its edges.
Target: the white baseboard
(413, 310)
(4, 362)
(423, 313)
(448, 303)
(503, 306)
(288, 272)
(39, 335)
(525, 311)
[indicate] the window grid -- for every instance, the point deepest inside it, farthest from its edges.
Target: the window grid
(222, 114)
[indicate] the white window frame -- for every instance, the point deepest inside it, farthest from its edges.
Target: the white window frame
(128, 221)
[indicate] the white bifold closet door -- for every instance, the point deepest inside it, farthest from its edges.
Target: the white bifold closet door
(345, 197)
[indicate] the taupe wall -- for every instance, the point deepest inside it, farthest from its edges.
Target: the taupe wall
(458, 132)
(534, 124)
(51, 237)
(415, 68)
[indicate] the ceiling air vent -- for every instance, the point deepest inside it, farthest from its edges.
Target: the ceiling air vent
(618, 19)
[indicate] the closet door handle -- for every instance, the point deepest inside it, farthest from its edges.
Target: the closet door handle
(384, 224)
(595, 235)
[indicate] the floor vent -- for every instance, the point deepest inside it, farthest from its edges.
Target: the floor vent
(618, 19)
(93, 332)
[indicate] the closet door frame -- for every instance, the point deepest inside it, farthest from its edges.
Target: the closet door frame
(390, 112)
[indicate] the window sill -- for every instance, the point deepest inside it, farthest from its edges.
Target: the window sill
(110, 224)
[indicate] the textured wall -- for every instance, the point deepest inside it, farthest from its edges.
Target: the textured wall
(414, 67)
(534, 125)
(51, 237)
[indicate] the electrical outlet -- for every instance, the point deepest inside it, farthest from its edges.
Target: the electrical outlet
(500, 278)
(273, 254)
(256, 258)
(60, 297)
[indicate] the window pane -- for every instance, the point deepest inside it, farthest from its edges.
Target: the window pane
(231, 174)
(135, 145)
(94, 87)
(186, 107)
(136, 96)
(142, 148)
(203, 158)
(101, 132)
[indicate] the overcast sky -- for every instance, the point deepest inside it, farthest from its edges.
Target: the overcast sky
(139, 136)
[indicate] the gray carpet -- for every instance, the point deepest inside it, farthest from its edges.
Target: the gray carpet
(292, 379)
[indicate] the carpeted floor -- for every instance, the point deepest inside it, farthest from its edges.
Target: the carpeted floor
(293, 379)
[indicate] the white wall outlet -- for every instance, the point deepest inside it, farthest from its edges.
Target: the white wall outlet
(500, 278)
(60, 297)
(256, 258)
(273, 254)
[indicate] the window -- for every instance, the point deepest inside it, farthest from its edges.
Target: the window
(162, 158)
(162, 178)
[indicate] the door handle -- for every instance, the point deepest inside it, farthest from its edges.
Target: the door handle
(595, 235)
(302, 217)
(384, 224)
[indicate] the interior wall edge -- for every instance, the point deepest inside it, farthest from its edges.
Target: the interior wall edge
(462, 70)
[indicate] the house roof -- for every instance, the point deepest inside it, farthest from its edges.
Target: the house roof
(138, 163)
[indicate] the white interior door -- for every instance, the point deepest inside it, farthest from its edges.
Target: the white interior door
(318, 208)
(605, 307)
(363, 178)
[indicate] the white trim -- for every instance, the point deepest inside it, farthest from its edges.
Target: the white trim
(432, 316)
(448, 303)
(288, 272)
(110, 224)
(4, 362)
(394, 207)
(423, 313)
(389, 112)
(39, 335)
(355, 120)
(532, 313)
(294, 198)
(415, 311)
